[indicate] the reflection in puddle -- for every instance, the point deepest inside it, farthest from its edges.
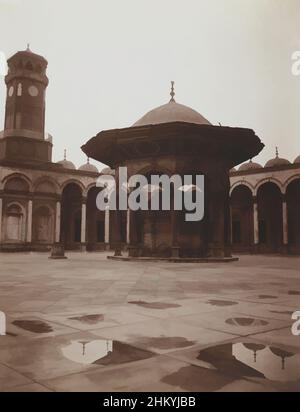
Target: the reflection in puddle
(11, 334)
(35, 326)
(87, 352)
(217, 302)
(267, 297)
(165, 342)
(253, 359)
(89, 319)
(123, 353)
(103, 352)
(246, 322)
(282, 312)
(154, 305)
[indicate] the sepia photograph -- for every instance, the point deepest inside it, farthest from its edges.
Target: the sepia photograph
(149, 200)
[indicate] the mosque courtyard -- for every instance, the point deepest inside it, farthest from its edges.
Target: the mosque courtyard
(87, 323)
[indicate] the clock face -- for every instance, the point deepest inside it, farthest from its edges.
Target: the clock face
(33, 91)
(11, 91)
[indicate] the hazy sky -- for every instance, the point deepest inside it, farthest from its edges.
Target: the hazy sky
(111, 61)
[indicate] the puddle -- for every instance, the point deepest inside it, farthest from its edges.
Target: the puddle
(253, 360)
(293, 292)
(165, 342)
(123, 353)
(193, 379)
(231, 362)
(89, 319)
(267, 297)
(282, 312)
(35, 326)
(216, 302)
(11, 334)
(154, 305)
(103, 352)
(246, 322)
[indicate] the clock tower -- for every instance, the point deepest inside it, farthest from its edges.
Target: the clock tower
(23, 138)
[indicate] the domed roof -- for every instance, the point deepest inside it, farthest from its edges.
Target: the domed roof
(87, 167)
(249, 166)
(171, 112)
(66, 163)
(277, 161)
(297, 160)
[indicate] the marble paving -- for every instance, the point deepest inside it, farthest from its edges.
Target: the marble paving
(92, 324)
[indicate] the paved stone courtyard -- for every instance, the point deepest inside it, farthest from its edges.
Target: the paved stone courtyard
(91, 324)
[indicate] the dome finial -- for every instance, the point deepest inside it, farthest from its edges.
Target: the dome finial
(172, 93)
(277, 153)
(28, 47)
(88, 160)
(65, 154)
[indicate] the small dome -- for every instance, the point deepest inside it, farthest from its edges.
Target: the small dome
(232, 170)
(87, 167)
(66, 163)
(277, 161)
(249, 166)
(171, 112)
(297, 160)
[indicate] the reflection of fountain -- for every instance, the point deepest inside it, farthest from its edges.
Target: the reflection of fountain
(246, 322)
(282, 354)
(87, 352)
(267, 362)
(255, 347)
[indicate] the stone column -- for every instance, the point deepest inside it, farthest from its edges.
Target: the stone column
(1, 208)
(116, 232)
(29, 222)
(83, 225)
(106, 226)
(57, 222)
(255, 223)
(174, 233)
(285, 223)
(128, 215)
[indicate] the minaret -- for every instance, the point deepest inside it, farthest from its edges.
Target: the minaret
(24, 127)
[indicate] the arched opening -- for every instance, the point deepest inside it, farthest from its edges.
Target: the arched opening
(95, 235)
(43, 225)
(269, 204)
(71, 216)
(45, 186)
(14, 224)
(293, 207)
(154, 226)
(190, 236)
(241, 203)
(16, 184)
